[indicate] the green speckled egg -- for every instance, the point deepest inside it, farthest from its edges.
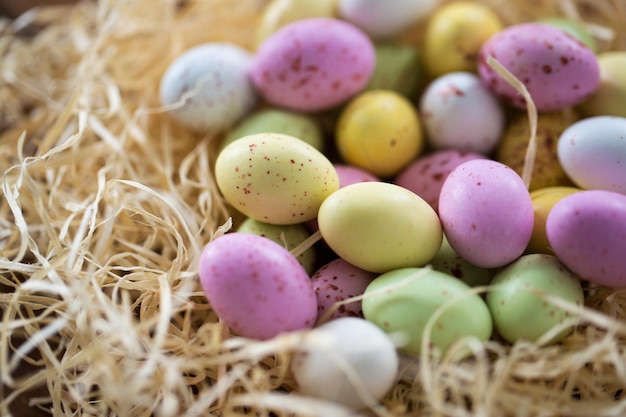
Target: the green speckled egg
(378, 226)
(517, 301)
(274, 178)
(449, 262)
(278, 121)
(287, 235)
(398, 68)
(403, 301)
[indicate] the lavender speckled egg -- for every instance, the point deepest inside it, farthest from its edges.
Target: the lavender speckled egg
(349, 174)
(587, 232)
(336, 281)
(256, 286)
(207, 88)
(558, 70)
(486, 212)
(313, 64)
(426, 175)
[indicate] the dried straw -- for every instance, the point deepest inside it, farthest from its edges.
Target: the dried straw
(106, 205)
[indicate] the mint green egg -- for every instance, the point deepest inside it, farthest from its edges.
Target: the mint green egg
(573, 28)
(518, 301)
(449, 262)
(398, 68)
(289, 236)
(284, 122)
(403, 301)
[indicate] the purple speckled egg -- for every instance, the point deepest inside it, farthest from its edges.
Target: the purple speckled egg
(587, 231)
(256, 286)
(486, 212)
(426, 175)
(349, 174)
(313, 64)
(558, 70)
(339, 280)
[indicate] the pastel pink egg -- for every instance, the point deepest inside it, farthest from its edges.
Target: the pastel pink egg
(313, 64)
(426, 175)
(587, 232)
(486, 213)
(256, 286)
(349, 174)
(339, 280)
(558, 70)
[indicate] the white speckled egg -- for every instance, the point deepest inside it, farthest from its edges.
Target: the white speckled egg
(593, 153)
(460, 112)
(382, 19)
(206, 89)
(340, 353)
(275, 178)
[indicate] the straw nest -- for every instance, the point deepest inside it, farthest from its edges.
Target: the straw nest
(106, 204)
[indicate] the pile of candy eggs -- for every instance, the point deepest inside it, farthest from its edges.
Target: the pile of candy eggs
(415, 189)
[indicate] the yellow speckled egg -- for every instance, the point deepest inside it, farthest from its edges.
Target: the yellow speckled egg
(274, 178)
(454, 35)
(543, 200)
(379, 131)
(547, 170)
(279, 13)
(610, 97)
(377, 226)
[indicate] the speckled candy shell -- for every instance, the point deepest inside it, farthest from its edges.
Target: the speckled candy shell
(313, 64)
(558, 70)
(256, 286)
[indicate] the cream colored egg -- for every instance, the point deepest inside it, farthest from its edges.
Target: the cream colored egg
(378, 226)
(275, 178)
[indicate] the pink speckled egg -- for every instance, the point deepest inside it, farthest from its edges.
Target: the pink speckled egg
(486, 213)
(313, 64)
(426, 175)
(349, 174)
(256, 286)
(558, 70)
(587, 231)
(339, 280)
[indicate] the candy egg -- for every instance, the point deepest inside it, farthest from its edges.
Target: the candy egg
(349, 174)
(609, 98)
(256, 286)
(593, 153)
(558, 70)
(207, 89)
(384, 19)
(337, 281)
(343, 358)
(454, 35)
(587, 231)
(313, 64)
(459, 112)
(398, 68)
(425, 175)
(287, 235)
(284, 122)
(404, 301)
(275, 178)
(511, 151)
(486, 213)
(380, 132)
(449, 262)
(378, 226)
(518, 299)
(543, 200)
(279, 13)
